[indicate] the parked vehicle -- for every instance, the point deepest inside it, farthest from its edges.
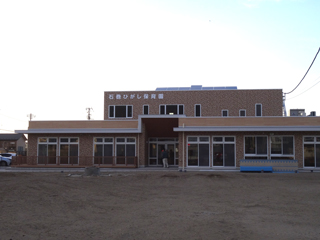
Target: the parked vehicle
(8, 155)
(4, 161)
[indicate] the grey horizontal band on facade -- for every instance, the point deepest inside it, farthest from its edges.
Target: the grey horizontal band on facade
(80, 130)
(247, 129)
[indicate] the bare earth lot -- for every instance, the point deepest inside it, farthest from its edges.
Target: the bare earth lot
(160, 205)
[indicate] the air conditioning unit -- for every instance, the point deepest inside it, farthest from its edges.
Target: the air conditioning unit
(297, 113)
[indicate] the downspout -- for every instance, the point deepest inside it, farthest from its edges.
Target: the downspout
(183, 149)
(138, 150)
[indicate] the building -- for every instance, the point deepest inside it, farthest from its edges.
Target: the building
(201, 127)
(15, 143)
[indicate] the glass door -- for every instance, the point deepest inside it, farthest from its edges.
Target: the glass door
(155, 153)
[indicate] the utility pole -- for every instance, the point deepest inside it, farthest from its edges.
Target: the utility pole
(89, 113)
(31, 116)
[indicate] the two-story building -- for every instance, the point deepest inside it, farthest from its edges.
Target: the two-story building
(205, 127)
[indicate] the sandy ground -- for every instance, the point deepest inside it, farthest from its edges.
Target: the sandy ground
(160, 205)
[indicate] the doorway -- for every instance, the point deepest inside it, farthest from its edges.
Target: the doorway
(156, 146)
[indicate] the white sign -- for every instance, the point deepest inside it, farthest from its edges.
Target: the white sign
(135, 96)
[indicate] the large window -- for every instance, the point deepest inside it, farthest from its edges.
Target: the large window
(125, 150)
(256, 147)
(103, 150)
(311, 156)
(69, 150)
(47, 150)
(224, 151)
(198, 151)
(124, 111)
(171, 109)
(282, 147)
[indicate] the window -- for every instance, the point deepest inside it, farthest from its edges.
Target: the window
(224, 151)
(242, 113)
(125, 150)
(47, 150)
(256, 147)
(282, 147)
(103, 150)
(258, 110)
(120, 111)
(171, 109)
(197, 110)
(145, 109)
(69, 150)
(198, 151)
(311, 153)
(225, 113)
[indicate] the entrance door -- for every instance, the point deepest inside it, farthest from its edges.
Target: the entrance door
(155, 153)
(170, 149)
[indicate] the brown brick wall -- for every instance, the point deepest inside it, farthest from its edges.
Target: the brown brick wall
(298, 143)
(86, 144)
(212, 101)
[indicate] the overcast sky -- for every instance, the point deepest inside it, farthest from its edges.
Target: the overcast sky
(58, 57)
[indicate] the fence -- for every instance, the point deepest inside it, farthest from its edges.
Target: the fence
(75, 161)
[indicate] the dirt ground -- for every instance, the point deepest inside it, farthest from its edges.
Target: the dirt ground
(160, 205)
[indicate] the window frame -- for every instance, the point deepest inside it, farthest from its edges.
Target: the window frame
(74, 160)
(126, 142)
(282, 155)
(314, 143)
(197, 142)
(112, 111)
(145, 108)
(242, 110)
(256, 110)
(224, 142)
(47, 143)
(163, 108)
(256, 155)
(197, 110)
(224, 111)
(103, 159)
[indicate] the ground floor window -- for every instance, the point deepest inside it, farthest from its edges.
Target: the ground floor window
(282, 147)
(69, 150)
(103, 150)
(47, 150)
(256, 147)
(125, 150)
(223, 151)
(311, 145)
(198, 151)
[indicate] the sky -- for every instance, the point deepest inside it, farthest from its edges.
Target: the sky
(58, 57)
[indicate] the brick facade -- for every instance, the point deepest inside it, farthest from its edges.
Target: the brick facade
(212, 102)
(162, 126)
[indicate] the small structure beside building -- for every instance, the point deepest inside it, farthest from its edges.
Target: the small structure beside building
(13, 142)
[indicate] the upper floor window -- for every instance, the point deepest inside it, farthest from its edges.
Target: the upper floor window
(197, 110)
(242, 113)
(124, 111)
(145, 109)
(225, 113)
(258, 109)
(171, 109)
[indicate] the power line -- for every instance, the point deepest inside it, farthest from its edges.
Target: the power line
(306, 72)
(305, 90)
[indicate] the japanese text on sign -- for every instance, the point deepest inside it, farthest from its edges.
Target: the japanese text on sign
(135, 96)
